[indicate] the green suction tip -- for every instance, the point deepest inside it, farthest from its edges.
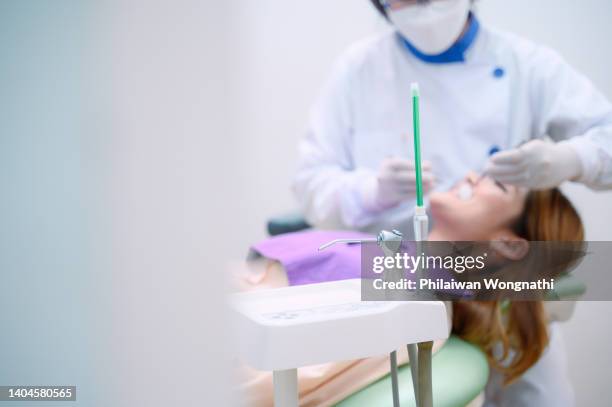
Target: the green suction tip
(414, 90)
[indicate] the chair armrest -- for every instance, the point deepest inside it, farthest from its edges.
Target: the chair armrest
(562, 300)
(567, 288)
(292, 222)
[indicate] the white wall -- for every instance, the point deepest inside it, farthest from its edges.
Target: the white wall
(112, 148)
(170, 185)
(283, 54)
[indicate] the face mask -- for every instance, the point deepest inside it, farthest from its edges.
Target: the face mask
(433, 27)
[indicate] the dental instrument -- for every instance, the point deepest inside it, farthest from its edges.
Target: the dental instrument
(421, 369)
(420, 220)
(492, 151)
(390, 242)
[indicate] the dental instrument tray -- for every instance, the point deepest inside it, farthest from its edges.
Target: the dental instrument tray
(298, 326)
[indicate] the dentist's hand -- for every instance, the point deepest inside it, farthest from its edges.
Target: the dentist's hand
(537, 164)
(396, 183)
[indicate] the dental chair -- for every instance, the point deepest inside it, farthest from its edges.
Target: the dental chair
(459, 369)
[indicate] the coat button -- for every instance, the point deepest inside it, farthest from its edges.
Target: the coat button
(499, 72)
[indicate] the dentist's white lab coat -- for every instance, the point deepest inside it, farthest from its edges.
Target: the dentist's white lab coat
(545, 384)
(507, 91)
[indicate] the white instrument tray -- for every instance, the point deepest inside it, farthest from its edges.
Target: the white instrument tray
(304, 325)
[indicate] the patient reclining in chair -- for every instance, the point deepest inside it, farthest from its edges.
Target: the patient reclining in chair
(476, 209)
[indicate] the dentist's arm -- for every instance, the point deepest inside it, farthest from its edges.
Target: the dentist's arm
(332, 191)
(326, 182)
(569, 109)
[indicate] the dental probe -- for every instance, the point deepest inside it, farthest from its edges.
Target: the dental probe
(390, 242)
(494, 150)
(347, 241)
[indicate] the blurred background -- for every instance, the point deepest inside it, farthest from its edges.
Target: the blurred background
(143, 145)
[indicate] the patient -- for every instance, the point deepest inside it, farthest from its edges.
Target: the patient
(476, 209)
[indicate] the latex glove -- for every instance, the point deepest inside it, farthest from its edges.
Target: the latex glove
(537, 164)
(396, 183)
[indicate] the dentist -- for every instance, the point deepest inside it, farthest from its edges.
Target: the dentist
(482, 90)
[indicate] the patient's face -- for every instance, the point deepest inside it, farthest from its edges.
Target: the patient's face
(476, 209)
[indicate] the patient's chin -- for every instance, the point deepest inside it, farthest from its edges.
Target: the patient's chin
(438, 197)
(450, 213)
(442, 200)
(439, 205)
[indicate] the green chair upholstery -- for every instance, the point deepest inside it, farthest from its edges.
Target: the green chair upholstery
(460, 373)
